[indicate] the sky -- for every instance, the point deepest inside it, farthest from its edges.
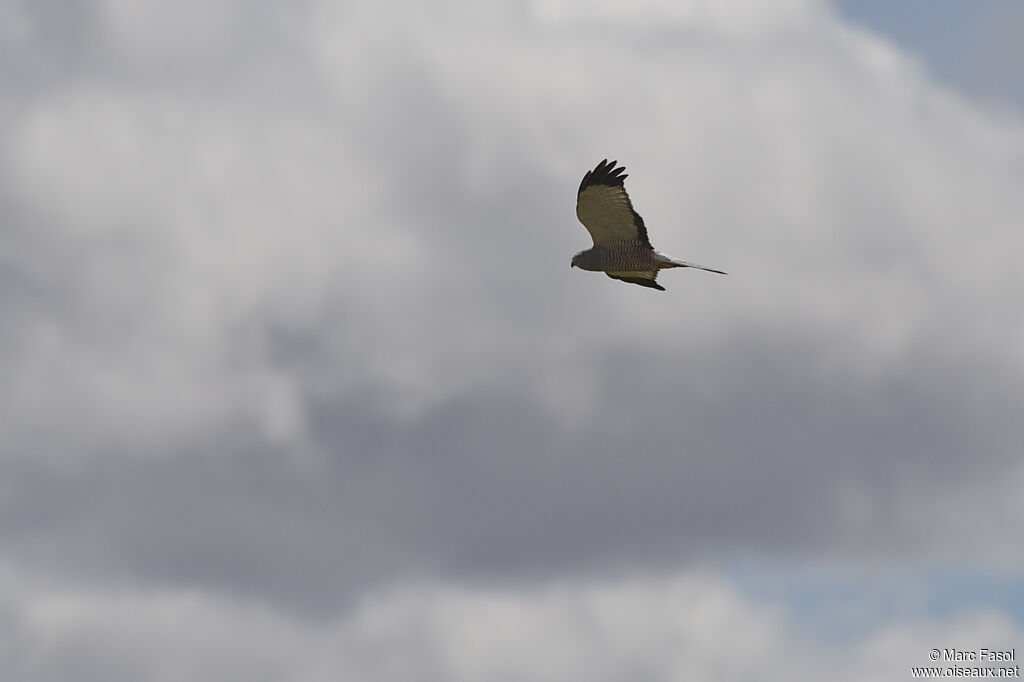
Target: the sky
(296, 381)
(973, 46)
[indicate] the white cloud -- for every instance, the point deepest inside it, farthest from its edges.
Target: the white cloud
(690, 626)
(819, 166)
(744, 19)
(184, 228)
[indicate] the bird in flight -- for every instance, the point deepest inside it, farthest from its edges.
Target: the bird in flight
(621, 248)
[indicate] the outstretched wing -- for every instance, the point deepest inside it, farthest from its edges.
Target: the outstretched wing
(603, 207)
(644, 279)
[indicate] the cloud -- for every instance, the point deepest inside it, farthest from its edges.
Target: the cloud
(297, 325)
(689, 626)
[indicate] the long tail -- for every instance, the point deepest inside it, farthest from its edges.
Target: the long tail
(676, 263)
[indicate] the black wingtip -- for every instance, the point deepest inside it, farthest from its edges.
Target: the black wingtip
(605, 173)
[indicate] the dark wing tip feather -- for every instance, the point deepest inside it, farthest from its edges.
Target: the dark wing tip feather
(604, 174)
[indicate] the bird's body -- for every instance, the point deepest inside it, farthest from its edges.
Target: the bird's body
(621, 248)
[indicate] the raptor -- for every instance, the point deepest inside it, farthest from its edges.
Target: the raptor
(621, 248)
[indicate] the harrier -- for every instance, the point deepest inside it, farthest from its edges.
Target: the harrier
(621, 248)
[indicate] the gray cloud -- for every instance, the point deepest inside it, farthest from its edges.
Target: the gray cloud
(492, 486)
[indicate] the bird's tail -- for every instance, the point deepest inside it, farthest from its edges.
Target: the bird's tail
(676, 263)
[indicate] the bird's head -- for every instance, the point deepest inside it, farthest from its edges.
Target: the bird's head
(586, 260)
